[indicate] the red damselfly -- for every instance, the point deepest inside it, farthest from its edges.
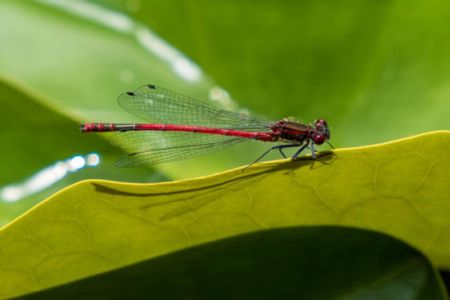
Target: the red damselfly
(192, 128)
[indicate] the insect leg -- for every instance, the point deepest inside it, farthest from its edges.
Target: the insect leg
(313, 151)
(279, 147)
(300, 151)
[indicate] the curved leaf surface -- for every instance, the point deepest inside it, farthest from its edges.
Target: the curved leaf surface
(399, 188)
(290, 263)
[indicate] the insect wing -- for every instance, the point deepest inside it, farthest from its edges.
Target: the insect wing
(150, 147)
(159, 105)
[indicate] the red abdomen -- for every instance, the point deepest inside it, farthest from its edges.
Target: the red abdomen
(104, 127)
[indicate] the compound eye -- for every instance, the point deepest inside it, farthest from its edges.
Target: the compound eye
(319, 139)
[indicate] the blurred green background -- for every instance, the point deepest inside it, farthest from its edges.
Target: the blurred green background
(376, 70)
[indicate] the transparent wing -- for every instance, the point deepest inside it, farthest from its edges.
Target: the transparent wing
(152, 147)
(156, 104)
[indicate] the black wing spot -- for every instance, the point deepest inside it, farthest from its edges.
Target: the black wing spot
(151, 86)
(131, 94)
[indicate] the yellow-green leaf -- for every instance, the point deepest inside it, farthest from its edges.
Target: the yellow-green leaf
(316, 262)
(399, 188)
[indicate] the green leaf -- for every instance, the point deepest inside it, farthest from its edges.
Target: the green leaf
(36, 138)
(398, 188)
(376, 70)
(97, 55)
(291, 263)
(94, 56)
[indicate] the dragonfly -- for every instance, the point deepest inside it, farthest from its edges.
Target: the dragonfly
(179, 127)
